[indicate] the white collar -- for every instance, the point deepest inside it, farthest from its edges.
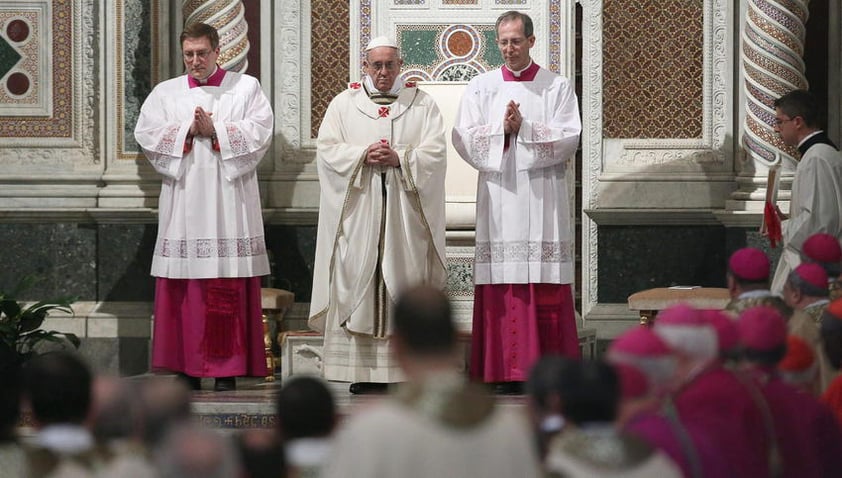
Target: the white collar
(818, 303)
(308, 451)
(517, 74)
(753, 294)
(369, 85)
(808, 137)
(65, 438)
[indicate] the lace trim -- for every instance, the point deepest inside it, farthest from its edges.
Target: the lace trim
(167, 143)
(543, 151)
(210, 248)
(523, 251)
(480, 144)
(237, 140)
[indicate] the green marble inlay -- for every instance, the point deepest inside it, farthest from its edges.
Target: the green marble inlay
(460, 277)
(9, 57)
(459, 73)
(418, 47)
(137, 58)
(492, 54)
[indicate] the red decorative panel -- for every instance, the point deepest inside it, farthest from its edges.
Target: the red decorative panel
(330, 58)
(24, 32)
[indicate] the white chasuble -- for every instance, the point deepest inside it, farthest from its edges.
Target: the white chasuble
(381, 229)
(523, 230)
(210, 220)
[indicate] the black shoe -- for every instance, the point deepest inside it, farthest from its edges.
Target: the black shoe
(368, 388)
(508, 388)
(194, 383)
(225, 384)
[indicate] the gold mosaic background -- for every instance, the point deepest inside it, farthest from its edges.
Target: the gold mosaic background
(330, 56)
(652, 76)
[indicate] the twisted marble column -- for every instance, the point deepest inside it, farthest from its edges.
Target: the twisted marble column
(772, 52)
(227, 16)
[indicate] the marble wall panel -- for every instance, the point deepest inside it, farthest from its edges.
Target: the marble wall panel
(635, 258)
(108, 262)
(62, 256)
(124, 254)
(293, 251)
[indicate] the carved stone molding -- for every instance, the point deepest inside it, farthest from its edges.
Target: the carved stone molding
(292, 32)
(591, 144)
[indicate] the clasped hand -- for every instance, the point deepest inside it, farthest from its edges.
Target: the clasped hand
(381, 153)
(202, 123)
(513, 119)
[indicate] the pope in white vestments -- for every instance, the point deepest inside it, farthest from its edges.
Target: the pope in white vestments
(519, 127)
(205, 133)
(381, 162)
(816, 204)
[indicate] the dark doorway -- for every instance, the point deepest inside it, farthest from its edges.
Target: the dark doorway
(816, 51)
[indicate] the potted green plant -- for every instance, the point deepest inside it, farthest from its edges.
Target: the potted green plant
(20, 325)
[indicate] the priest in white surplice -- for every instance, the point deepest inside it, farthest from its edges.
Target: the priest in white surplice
(381, 162)
(205, 132)
(519, 126)
(816, 204)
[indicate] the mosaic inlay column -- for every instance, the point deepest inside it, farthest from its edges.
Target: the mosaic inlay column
(772, 51)
(227, 16)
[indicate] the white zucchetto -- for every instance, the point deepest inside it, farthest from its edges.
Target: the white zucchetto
(381, 41)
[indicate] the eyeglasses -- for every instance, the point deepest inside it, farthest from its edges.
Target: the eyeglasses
(779, 121)
(201, 54)
(514, 42)
(379, 65)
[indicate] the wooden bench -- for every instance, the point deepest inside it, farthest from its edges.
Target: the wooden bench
(649, 302)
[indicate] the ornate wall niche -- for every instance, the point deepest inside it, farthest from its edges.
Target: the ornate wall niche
(136, 58)
(50, 101)
(700, 119)
(139, 37)
(653, 181)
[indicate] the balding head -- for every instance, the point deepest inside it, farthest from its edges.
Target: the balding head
(423, 322)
